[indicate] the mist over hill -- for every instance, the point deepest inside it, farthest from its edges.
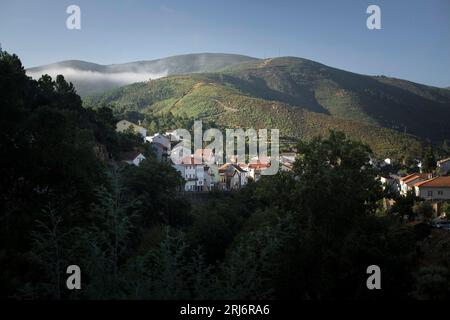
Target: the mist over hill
(90, 78)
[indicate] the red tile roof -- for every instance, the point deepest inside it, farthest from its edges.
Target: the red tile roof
(438, 182)
(415, 176)
(190, 160)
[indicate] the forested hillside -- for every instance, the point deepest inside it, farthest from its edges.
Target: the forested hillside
(217, 99)
(300, 97)
(67, 199)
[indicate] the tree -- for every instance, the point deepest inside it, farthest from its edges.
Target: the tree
(423, 209)
(429, 159)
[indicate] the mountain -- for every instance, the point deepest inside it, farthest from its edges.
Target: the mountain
(210, 97)
(302, 98)
(387, 102)
(90, 78)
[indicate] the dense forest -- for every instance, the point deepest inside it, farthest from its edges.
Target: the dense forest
(306, 234)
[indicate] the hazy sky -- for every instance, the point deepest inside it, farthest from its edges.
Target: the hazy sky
(414, 42)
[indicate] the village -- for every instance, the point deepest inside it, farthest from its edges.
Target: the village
(432, 188)
(196, 168)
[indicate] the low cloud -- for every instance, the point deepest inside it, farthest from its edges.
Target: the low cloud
(77, 76)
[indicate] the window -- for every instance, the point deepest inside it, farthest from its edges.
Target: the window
(440, 193)
(430, 193)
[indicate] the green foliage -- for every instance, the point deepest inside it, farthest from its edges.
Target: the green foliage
(423, 209)
(432, 283)
(403, 205)
(305, 234)
(429, 160)
(229, 100)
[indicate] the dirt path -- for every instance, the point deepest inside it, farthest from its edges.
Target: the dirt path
(225, 107)
(195, 86)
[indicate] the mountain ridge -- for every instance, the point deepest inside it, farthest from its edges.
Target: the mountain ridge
(90, 78)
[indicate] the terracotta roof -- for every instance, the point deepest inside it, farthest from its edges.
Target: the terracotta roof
(438, 182)
(190, 160)
(407, 176)
(226, 166)
(415, 176)
(259, 165)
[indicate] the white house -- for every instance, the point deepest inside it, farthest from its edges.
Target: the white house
(124, 125)
(255, 169)
(172, 135)
(389, 183)
(197, 174)
(159, 138)
(444, 165)
(179, 153)
(207, 156)
(134, 157)
(407, 183)
(161, 152)
(437, 188)
(232, 176)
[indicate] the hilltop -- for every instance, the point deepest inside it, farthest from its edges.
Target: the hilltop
(90, 78)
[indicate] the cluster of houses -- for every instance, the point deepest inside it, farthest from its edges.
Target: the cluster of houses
(428, 186)
(200, 175)
(196, 168)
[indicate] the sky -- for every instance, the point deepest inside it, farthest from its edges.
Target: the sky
(413, 42)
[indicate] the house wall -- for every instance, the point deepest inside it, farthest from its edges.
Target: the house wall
(161, 140)
(423, 193)
(179, 152)
(143, 132)
(410, 186)
(199, 173)
(138, 159)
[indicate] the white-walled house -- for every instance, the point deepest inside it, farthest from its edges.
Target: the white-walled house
(407, 183)
(159, 138)
(207, 156)
(124, 125)
(232, 176)
(172, 135)
(437, 188)
(160, 145)
(161, 152)
(255, 169)
(389, 183)
(179, 153)
(134, 157)
(197, 175)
